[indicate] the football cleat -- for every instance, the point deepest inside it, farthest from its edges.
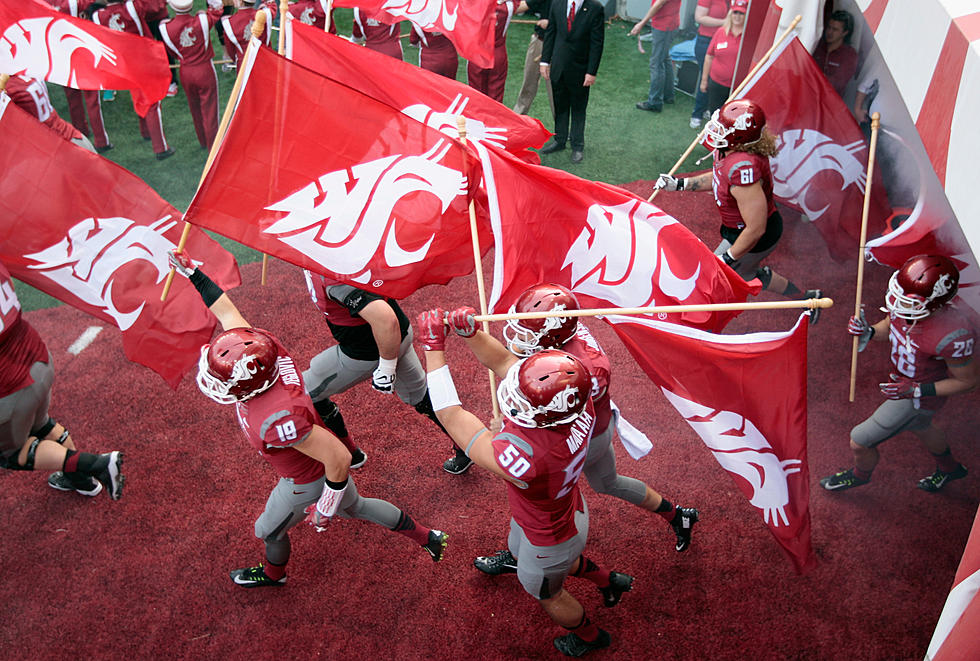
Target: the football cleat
(573, 645)
(83, 484)
(254, 577)
(111, 477)
(436, 546)
(457, 464)
(501, 562)
(683, 525)
(938, 480)
(357, 458)
(841, 480)
(618, 584)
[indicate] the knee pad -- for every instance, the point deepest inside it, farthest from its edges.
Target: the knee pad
(331, 417)
(764, 274)
(14, 465)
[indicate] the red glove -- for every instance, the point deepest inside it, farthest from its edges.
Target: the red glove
(433, 329)
(181, 262)
(900, 387)
(463, 321)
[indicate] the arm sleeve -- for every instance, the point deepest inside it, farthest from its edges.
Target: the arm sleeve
(352, 298)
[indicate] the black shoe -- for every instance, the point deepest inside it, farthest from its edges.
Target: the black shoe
(683, 525)
(436, 546)
(815, 312)
(457, 464)
(83, 484)
(254, 577)
(501, 562)
(938, 480)
(551, 147)
(357, 458)
(166, 154)
(577, 156)
(618, 584)
(669, 101)
(646, 105)
(102, 150)
(842, 480)
(573, 645)
(111, 476)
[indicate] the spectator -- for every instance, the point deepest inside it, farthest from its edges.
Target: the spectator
(834, 55)
(376, 35)
(491, 81)
(665, 18)
(532, 59)
(721, 57)
(709, 15)
(31, 95)
(436, 53)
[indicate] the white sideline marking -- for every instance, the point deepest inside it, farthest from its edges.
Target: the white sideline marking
(85, 339)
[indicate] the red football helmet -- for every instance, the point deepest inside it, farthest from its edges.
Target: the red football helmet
(923, 284)
(238, 365)
(526, 336)
(738, 122)
(547, 389)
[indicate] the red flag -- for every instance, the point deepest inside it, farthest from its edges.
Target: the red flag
(469, 24)
(428, 97)
(93, 235)
(77, 53)
(957, 635)
(610, 247)
(745, 396)
(822, 162)
(381, 202)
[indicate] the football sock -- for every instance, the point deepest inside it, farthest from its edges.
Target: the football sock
(791, 290)
(84, 462)
(861, 474)
(406, 526)
(274, 571)
(945, 461)
(585, 629)
(667, 510)
(592, 572)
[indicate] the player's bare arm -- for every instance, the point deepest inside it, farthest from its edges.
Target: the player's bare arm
(326, 448)
(963, 377)
(754, 208)
(212, 295)
(384, 327)
(487, 349)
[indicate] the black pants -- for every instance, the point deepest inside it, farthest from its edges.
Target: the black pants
(571, 99)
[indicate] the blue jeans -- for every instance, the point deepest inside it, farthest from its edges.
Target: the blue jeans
(700, 98)
(661, 68)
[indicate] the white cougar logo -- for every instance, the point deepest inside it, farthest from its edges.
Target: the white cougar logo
(187, 38)
(44, 48)
(84, 262)
(357, 205)
(445, 122)
(307, 16)
(423, 13)
(741, 449)
(615, 258)
(804, 153)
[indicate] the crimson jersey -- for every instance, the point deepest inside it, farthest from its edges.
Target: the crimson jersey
(586, 348)
(279, 418)
(920, 349)
(376, 35)
(238, 29)
(20, 345)
(548, 461)
(313, 12)
(188, 36)
(129, 16)
(31, 95)
(436, 53)
(739, 168)
(71, 7)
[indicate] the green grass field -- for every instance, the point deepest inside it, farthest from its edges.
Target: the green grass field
(623, 144)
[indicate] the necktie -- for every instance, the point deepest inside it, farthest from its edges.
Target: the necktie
(571, 16)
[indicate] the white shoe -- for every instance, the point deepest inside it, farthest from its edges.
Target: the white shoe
(695, 123)
(172, 90)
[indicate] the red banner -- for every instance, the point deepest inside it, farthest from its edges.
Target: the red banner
(92, 234)
(469, 24)
(822, 162)
(382, 203)
(610, 247)
(957, 635)
(745, 397)
(77, 53)
(428, 97)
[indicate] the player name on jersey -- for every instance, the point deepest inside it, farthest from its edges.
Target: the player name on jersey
(580, 431)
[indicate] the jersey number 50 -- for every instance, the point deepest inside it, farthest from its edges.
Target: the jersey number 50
(515, 468)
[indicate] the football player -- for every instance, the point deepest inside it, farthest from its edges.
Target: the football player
(540, 453)
(932, 356)
(374, 340)
(526, 337)
(250, 368)
(29, 438)
(742, 184)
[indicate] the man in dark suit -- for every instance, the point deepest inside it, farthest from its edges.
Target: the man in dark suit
(570, 60)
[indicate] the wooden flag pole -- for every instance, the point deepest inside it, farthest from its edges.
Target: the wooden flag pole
(478, 264)
(257, 28)
(875, 123)
(3, 81)
(326, 23)
(810, 304)
(735, 92)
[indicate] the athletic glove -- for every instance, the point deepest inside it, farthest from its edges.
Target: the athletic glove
(181, 262)
(463, 321)
(669, 183)
(433, 329)
(900, 387)
(383, 379)
(859, 326)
